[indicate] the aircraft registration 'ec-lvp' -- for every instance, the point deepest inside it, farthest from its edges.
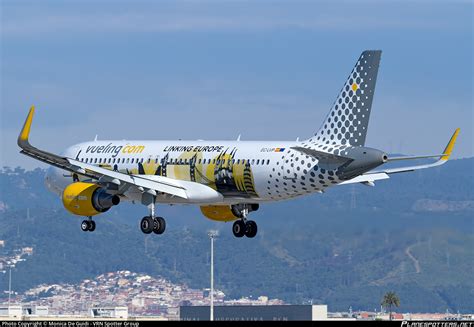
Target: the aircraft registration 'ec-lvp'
(227, 179)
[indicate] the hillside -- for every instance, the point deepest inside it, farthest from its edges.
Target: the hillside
(412, 234)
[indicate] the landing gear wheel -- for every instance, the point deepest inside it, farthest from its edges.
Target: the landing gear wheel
(146, 225)
(250, 229)
(85, 225)
(159, 225)
(91, 226)
(239, 228)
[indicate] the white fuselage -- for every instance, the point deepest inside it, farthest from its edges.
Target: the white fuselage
(242, 171)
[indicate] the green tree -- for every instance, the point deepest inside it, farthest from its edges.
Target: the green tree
(389, 300)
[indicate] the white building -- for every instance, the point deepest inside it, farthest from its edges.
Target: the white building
(109, 312)
(320, 312)
(12, 311)
(37, 310)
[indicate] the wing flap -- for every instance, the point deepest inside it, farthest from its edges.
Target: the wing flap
(159, 183)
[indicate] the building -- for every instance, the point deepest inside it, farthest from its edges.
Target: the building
(109, 312)
(27, 250)
(12, 311)
(37, 311)
(255, 312)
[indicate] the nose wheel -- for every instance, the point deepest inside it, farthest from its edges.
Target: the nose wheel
(88, 225)
(151, 223)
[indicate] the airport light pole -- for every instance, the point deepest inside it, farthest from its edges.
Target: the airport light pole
(9, 286)
(212, 235)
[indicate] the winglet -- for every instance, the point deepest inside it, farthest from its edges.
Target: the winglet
(449, 148)
(25, 131)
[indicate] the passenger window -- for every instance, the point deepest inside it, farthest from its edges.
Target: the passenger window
(258, 161)
(253, 161)
(128, 160)
(132, 160)
(156, 160)
(149, 160)
(268, 161)
(95, 160)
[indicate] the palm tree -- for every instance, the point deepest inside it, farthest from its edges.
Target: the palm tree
(389, 300)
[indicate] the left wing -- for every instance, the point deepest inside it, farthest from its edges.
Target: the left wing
(145, 183)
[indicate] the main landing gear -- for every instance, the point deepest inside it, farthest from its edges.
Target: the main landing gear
(88, 225)
(152, 223)
(244, 227)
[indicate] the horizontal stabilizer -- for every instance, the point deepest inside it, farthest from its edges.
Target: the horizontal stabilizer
(414, 157)
(368, 179)
(444, 158)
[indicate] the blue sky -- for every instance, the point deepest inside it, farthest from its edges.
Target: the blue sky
(213, 70)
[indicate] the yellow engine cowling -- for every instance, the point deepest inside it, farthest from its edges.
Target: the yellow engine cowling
(87, 199)
(219, 213)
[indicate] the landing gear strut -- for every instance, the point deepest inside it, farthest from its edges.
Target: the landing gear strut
(152, 223)
(88, 225)
(243, 226)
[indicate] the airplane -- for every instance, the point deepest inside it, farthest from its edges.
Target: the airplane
(227, 179)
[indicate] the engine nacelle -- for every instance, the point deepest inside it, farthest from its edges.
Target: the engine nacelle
(219, 213)
(87, 199)
(227, 213)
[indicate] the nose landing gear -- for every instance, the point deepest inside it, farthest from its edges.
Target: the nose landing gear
(152, 223)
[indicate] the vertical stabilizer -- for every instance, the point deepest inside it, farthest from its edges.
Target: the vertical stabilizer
(348, 120)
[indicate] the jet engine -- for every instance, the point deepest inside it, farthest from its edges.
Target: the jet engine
(219, 213)
(87, 199)
(226, 212)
